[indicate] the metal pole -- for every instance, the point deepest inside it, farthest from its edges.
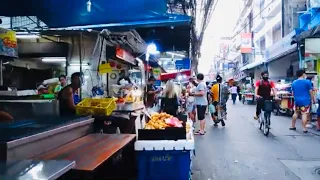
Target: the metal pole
(80, 58)
(1, 72)
(300, 56)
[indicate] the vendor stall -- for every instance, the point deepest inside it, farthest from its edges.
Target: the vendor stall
(165, 144)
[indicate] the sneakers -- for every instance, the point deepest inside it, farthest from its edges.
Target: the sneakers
(309, 126)
(223, 123)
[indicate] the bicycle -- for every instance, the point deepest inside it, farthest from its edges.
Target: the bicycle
(264, 120)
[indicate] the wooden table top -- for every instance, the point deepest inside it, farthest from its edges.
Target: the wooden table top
(89, 151)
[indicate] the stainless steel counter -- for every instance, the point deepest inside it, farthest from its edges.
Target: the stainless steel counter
(21, 109)
(19, 142)
(33, 169)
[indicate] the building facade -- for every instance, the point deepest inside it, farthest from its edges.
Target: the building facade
(271, 25)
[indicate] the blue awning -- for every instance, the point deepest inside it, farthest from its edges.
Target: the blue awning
(252, 65)
(103, 13)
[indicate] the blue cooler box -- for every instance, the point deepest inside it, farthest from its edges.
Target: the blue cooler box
(164, 165)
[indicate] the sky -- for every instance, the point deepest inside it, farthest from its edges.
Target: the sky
(221, 24)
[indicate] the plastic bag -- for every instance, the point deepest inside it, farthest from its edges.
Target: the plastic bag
(154, 109)
(212, 109)
(314, 108)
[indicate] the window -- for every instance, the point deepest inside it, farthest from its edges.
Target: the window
(263, 45)
(276, 33)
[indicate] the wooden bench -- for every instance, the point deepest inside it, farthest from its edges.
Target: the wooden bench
(89, 151)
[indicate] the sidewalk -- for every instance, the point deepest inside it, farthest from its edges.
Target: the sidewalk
(312, 130)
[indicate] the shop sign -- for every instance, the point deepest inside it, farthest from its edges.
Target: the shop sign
(124, 55)
(231, 65)
(239, 76)
(246, 43)
(183, 64)
(156, 72)
(312, 46)
(280, 47)
(8, 43)
(105, 68)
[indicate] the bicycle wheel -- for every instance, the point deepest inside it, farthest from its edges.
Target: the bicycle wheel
(266, 123)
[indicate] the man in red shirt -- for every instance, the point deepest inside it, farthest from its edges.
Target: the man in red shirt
(265, 90)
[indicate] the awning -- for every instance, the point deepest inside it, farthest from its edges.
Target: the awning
(101, 14)
(168, 76)
(251, 65)
(167, 38)
(313, 32)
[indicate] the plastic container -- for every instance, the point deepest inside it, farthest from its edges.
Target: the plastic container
(160, 165)
(90, 106)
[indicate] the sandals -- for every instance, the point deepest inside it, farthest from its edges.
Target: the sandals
(199, 133)
(293, 128)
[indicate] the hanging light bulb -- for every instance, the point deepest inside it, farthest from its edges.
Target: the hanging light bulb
(89, 6)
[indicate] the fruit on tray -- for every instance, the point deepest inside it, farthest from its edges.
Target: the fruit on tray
(120, 100)
(129, 99)
(173, 122)
(162, 121)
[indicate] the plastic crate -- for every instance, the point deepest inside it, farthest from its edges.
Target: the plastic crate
(161, 165)
(90, 106)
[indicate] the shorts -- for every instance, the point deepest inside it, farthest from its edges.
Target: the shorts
(302, 109)
(191, 108)
(201, 112)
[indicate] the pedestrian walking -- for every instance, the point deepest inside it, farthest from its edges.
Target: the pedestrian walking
(201, 103)
(239, 93)
(303, 97)
(234, 92)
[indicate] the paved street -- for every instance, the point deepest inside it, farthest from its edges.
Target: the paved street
(241, 152)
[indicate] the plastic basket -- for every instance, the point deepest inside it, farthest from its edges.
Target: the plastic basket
(160, 165)
(90, 106)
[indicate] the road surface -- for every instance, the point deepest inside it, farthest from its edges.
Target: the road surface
(240, 151)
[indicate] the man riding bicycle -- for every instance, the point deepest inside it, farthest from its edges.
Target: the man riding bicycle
(265, 90)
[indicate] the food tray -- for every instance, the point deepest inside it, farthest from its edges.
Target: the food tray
(91, 106)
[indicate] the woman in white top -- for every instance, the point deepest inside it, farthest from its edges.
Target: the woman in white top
(191, 108)
(234, 92)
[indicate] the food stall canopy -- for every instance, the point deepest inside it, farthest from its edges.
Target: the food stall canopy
(100, 14)
(168, 38)
(168, 76)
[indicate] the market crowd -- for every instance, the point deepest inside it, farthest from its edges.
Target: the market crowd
(196, 99)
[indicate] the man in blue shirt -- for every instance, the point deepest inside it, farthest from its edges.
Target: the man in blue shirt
(302, 92)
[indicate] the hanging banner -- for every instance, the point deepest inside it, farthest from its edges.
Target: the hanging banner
(8, 43)
(105, 68)
(156, 72)
(124, 55)
(246, 43)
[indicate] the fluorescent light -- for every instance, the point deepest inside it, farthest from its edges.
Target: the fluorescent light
(27, 36)
(54, 59)
(176, 54)
(78, 64)
(152, 49)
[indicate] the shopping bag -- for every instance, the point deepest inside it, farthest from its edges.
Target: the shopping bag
(212, 109)
(154, 109)
(314, 108)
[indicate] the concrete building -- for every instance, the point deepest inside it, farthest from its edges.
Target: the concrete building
(272, 24)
